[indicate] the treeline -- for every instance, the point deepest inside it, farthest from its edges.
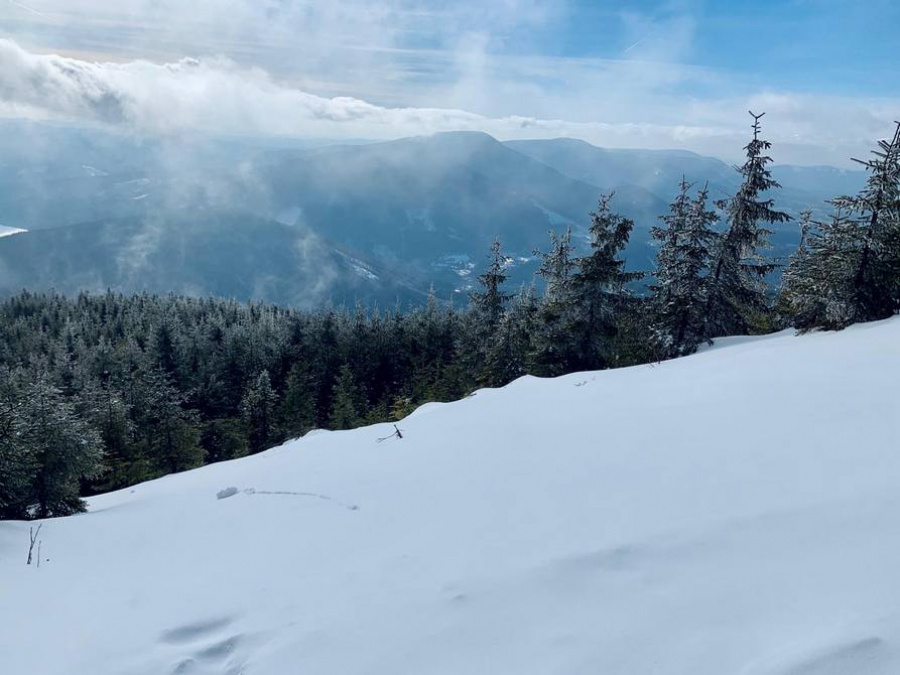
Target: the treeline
(101, 392)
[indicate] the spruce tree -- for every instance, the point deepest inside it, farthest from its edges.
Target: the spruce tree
(509, 353)
(170, 433)
(737, 298)
(680, 290)
(224, 439)
(66, 448)
(18, 463)
(793, 289)
(345, 410)
(487, 308)
(298, 409)
(489, 303)
(552, 346)
(258, 413)
(101, 404)
(875, 217)
(599, 287)
(554, 350)
(849, 271)
(557, 266)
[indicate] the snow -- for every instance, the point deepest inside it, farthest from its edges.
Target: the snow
(554, 219)
(358, 267)
(458, 263)
(6, 231)
(731, 513)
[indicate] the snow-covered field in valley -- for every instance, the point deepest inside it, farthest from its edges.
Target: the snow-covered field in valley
(736, 512)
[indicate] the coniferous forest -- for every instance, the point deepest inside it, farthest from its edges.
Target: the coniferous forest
(101, 392)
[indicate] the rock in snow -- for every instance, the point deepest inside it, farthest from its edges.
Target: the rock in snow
(734, 512)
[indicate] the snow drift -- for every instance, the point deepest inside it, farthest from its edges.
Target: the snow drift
(734, 512)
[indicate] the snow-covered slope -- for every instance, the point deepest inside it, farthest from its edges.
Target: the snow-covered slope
(735, 512)
(6, 231)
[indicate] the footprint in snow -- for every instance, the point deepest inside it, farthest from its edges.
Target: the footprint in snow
(205, 647)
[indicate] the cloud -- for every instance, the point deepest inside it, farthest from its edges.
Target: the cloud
(616, 103)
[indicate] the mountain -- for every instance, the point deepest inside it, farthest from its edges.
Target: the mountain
(729, 512)
(197, 253)
(416, 213)
(429, 200)
(660, 172)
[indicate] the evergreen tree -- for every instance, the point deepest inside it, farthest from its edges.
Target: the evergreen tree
(557, 267)
(668, 237)
(170, 437)
(680, 291)
(224, 439)
(792, 290)
(166, 355)
(106, 410)
(489, 303)
(599, 287)
(553, 349)
(488, 306)
(848, 269)
(510, 350)
(66, 449)
(258, 413)
(874, 217)
(18, 464)
(737, 298)
(298, 409)
(345, 411)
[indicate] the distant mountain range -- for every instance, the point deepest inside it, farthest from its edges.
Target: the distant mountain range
(304, 224)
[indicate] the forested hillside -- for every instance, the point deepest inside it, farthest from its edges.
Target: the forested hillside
(260, 220)
(100, 392)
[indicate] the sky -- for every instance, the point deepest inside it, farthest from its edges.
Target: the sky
(647, 74)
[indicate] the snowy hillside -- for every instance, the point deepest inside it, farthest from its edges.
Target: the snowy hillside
(736, 512)
(6, 231)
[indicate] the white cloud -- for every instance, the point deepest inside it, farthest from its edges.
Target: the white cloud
(618, 103)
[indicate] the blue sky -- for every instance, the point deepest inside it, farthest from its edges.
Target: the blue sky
(808, 45)
(680, 73)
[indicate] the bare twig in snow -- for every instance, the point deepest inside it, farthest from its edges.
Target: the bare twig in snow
(33, 535)
(397, 434)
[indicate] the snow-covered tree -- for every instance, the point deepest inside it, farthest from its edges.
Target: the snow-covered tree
(552, 344)
(509, 352)
(490, 301)
(18, 464)
(737, 298)
(679, 294)
(599, 287)
(66, 449)
(848, 269)
(258, 412)
(874, 216)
